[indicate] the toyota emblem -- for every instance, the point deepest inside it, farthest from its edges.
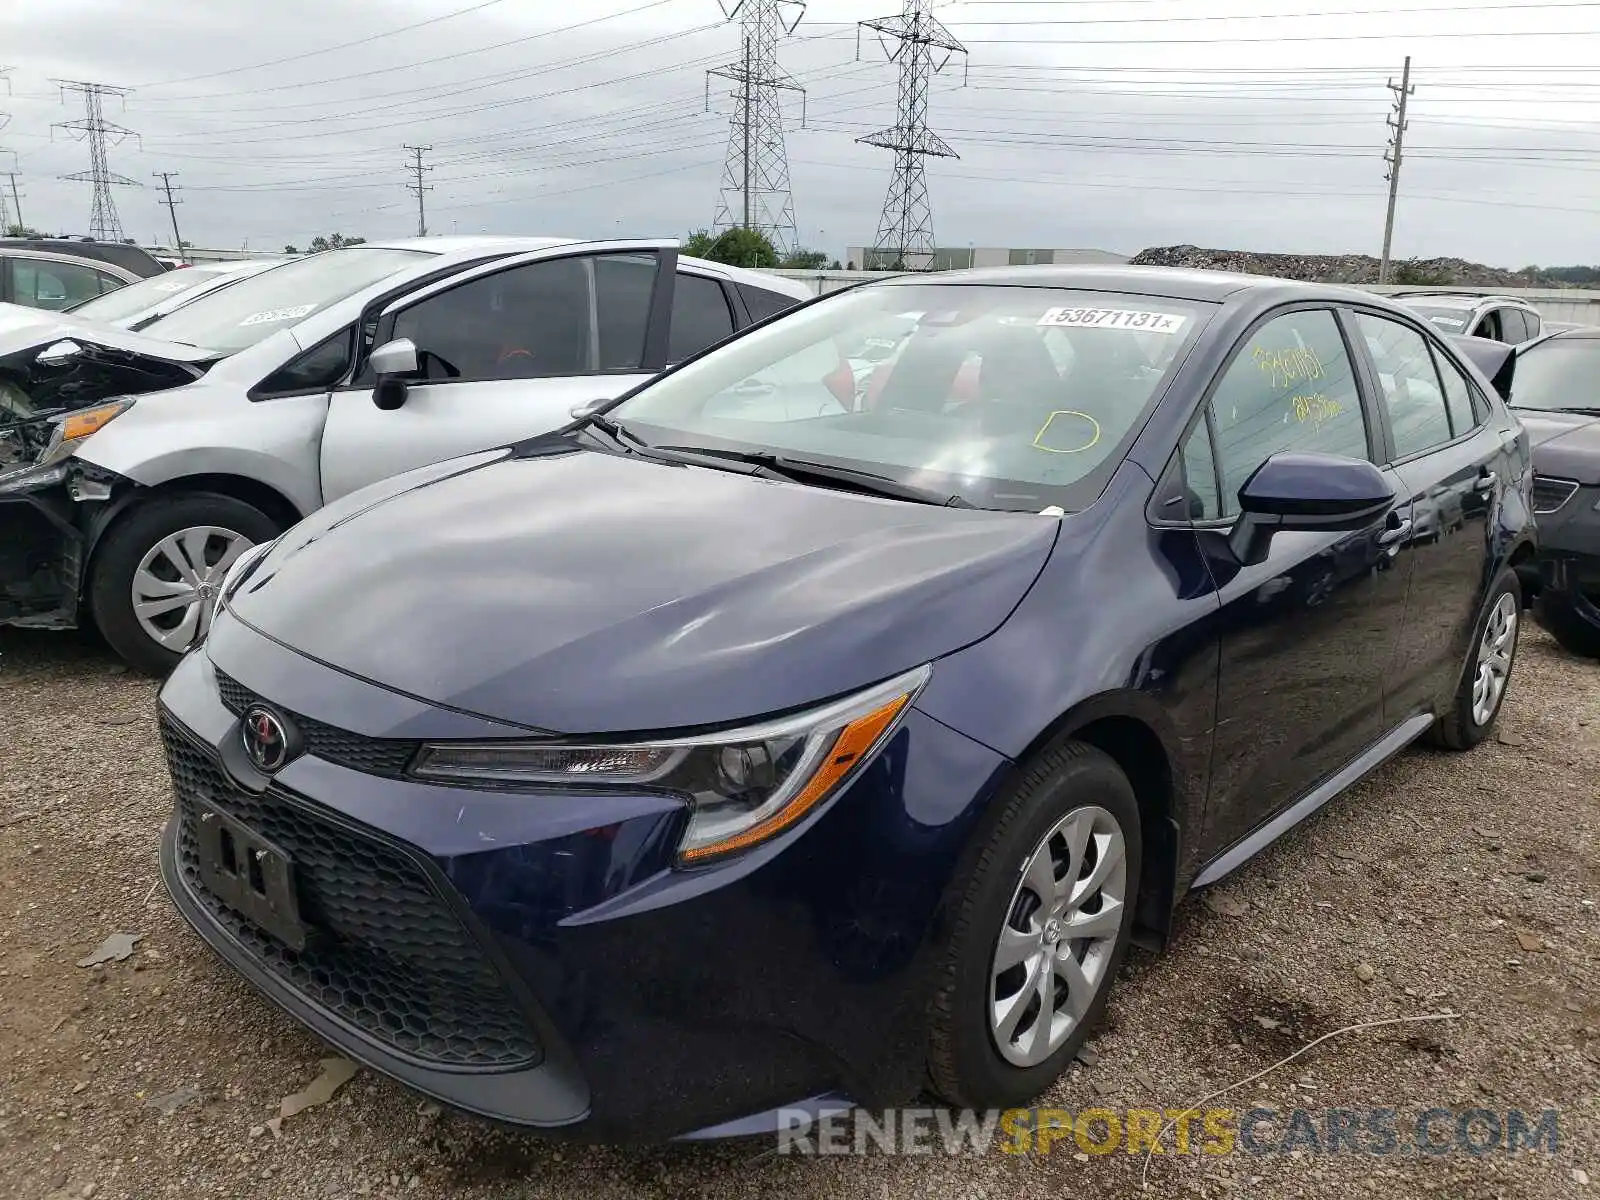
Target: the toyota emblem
(267, 739)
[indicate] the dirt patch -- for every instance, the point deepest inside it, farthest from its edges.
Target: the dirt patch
(1462, 883)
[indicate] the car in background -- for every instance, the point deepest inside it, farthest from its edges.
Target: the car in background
(118, 254)
(677, 772)
(55, 281)
(136, 467)
(1467, 314)
(1555, 392)
(138, 304)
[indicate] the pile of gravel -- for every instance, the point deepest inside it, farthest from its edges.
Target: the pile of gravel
(1335, 268)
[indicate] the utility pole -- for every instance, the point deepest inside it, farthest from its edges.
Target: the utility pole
(5, 119)
(172, 209)
(1397, 122)
(104, 224)
(905, 229)
(755, 191)
(16, 197)
(416, 167)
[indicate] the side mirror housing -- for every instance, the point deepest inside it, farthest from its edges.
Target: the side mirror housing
(1299, 491)
(393, 363)
(1496, 360)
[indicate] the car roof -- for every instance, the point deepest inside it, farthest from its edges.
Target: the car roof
(1178, 283)
(130, 258)
(1456, 299)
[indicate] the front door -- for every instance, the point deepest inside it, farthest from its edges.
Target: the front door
(1446, 458)
(1305, 635)
(504, 352)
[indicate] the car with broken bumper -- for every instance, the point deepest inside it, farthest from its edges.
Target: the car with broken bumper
(697, 763)
(135, 467)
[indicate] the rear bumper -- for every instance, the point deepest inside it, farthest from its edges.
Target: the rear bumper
(662, 1003)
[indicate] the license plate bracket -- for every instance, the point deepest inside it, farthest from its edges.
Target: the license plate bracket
(251, 875)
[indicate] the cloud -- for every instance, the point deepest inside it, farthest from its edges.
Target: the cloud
(1202, 122)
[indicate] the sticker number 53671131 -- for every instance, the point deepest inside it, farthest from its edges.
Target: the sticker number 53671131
(270, 315)
(1112, 318)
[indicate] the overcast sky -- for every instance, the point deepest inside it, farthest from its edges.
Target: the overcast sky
(1114, 125)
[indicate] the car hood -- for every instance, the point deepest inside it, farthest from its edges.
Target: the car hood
(1566, 445)
(35, 328)
(582, 592)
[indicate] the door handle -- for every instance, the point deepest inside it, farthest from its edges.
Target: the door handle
(1396, 534)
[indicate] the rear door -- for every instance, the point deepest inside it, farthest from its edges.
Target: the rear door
(1447, 457)
(505, 351)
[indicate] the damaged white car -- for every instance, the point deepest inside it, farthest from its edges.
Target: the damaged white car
(135, 468)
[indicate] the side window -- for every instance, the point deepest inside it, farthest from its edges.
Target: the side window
(700, 316)
(54, 285)
(1290, 387)
(322, 366)
(529, 322)
(1513, 326)
(1531, 319)
(1200, 476)
(1418, 417)
(763, 304)
(1457, 396)
(108, 283)
(623, 284)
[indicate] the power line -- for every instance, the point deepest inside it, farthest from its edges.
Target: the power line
(905, 229)
(1396, 122)
(96, 130)
(1290, 16)
(416, 167)
(755, 171)
(172, 210)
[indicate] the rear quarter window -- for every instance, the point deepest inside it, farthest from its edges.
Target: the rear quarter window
(763, 304)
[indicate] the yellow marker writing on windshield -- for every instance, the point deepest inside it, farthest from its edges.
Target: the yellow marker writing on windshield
(1094, 437)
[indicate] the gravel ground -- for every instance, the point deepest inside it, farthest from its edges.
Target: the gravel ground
(1463, 883)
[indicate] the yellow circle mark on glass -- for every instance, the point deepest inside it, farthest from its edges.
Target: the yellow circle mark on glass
(1094, 437)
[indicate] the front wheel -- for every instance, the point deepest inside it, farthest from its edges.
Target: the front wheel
(157, 572)
(1043, 917)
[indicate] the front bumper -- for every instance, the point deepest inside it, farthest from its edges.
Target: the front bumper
(1569, 546)
(592, 990)
(41, 555)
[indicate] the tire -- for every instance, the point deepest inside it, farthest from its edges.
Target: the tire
(1460, 728)
(967, 1067)
(137, 534)
(1557, 612)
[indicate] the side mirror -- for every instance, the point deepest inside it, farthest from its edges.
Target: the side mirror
(393, 363)
(1496, 360)
(582, 412)
(1299, 491)
(59, 354)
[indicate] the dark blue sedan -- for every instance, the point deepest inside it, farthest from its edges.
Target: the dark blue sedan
(826, 717)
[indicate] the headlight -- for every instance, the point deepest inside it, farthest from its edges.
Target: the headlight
(743, 786)
(237, 572)
(74, 428)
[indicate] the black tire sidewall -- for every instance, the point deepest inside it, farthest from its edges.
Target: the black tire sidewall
(1457, 730)
(969, 1064)
(110, 601)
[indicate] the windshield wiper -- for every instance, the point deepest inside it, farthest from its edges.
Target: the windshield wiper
(799, 469)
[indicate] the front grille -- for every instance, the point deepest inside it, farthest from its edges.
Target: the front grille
(374, 756)
(1550, 495)
(387, 954)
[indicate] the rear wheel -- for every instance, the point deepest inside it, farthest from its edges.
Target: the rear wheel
(1482, 690)
(157, 572)
(1043, 918)
(1573, 620)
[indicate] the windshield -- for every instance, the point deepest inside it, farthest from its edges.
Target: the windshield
(1009, 397)
(147, 293)
(241, 314)
(1560, 373)
(1446, 320)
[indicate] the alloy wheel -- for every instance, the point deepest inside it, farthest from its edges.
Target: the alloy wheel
(176, 583)
(1495, 650)
(1060, 932)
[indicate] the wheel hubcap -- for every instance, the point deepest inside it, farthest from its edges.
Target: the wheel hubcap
(177, 581)
(1061, 928)
(1495, 650)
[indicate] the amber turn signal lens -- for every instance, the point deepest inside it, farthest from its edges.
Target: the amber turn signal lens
(850, 745)
(82, 424)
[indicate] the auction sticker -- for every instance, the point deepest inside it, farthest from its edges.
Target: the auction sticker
(268, 315)
(1112, 318)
